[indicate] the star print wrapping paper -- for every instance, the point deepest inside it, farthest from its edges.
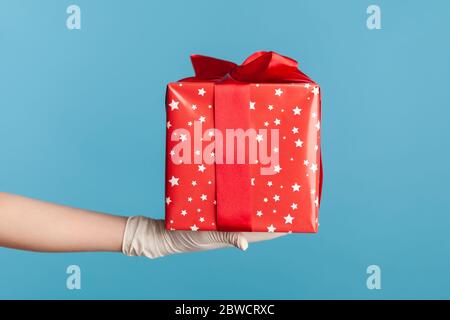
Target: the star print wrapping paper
(271, 180)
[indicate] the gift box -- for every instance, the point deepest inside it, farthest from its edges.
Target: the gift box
(243, 147)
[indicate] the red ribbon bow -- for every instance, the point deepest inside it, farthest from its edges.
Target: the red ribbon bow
(261, 66)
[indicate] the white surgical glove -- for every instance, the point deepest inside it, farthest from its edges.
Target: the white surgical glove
(149, 238)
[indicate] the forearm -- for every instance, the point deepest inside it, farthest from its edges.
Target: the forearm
(40, 226)
(34, 225)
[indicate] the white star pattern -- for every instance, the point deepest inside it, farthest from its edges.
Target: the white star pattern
(288, 219)
(294, 206)
(174, 181)
(201, 168)
(203, 197)
(278, 92)
(194, 228)
(194, 107)
(174, 105)
(297, 111)
(315, 91)
(168, 201)
(183, 212)
(277, 122)
(168, 124)
(259, 137)
(201, 92)
(259, 213)
(276, 198)
(296, 187)
(252, 105)
(202, 119)
(277, 169)
(271, 228)
(298, 143)
(294, 130)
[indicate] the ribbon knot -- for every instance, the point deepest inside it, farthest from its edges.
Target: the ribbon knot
(260, 67)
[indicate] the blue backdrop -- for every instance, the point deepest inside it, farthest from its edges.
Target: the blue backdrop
(82, 123)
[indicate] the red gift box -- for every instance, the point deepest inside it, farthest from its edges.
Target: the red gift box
(243, 147)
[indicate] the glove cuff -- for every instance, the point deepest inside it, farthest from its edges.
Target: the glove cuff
(131, 244)
(144, 237)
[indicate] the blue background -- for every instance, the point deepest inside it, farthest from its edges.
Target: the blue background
(82, 123)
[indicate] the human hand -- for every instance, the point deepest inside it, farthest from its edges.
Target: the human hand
(149, 238)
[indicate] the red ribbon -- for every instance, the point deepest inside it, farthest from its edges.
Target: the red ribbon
(231, 90)
(260, 67)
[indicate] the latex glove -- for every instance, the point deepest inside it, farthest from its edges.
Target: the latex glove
(149, 237)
